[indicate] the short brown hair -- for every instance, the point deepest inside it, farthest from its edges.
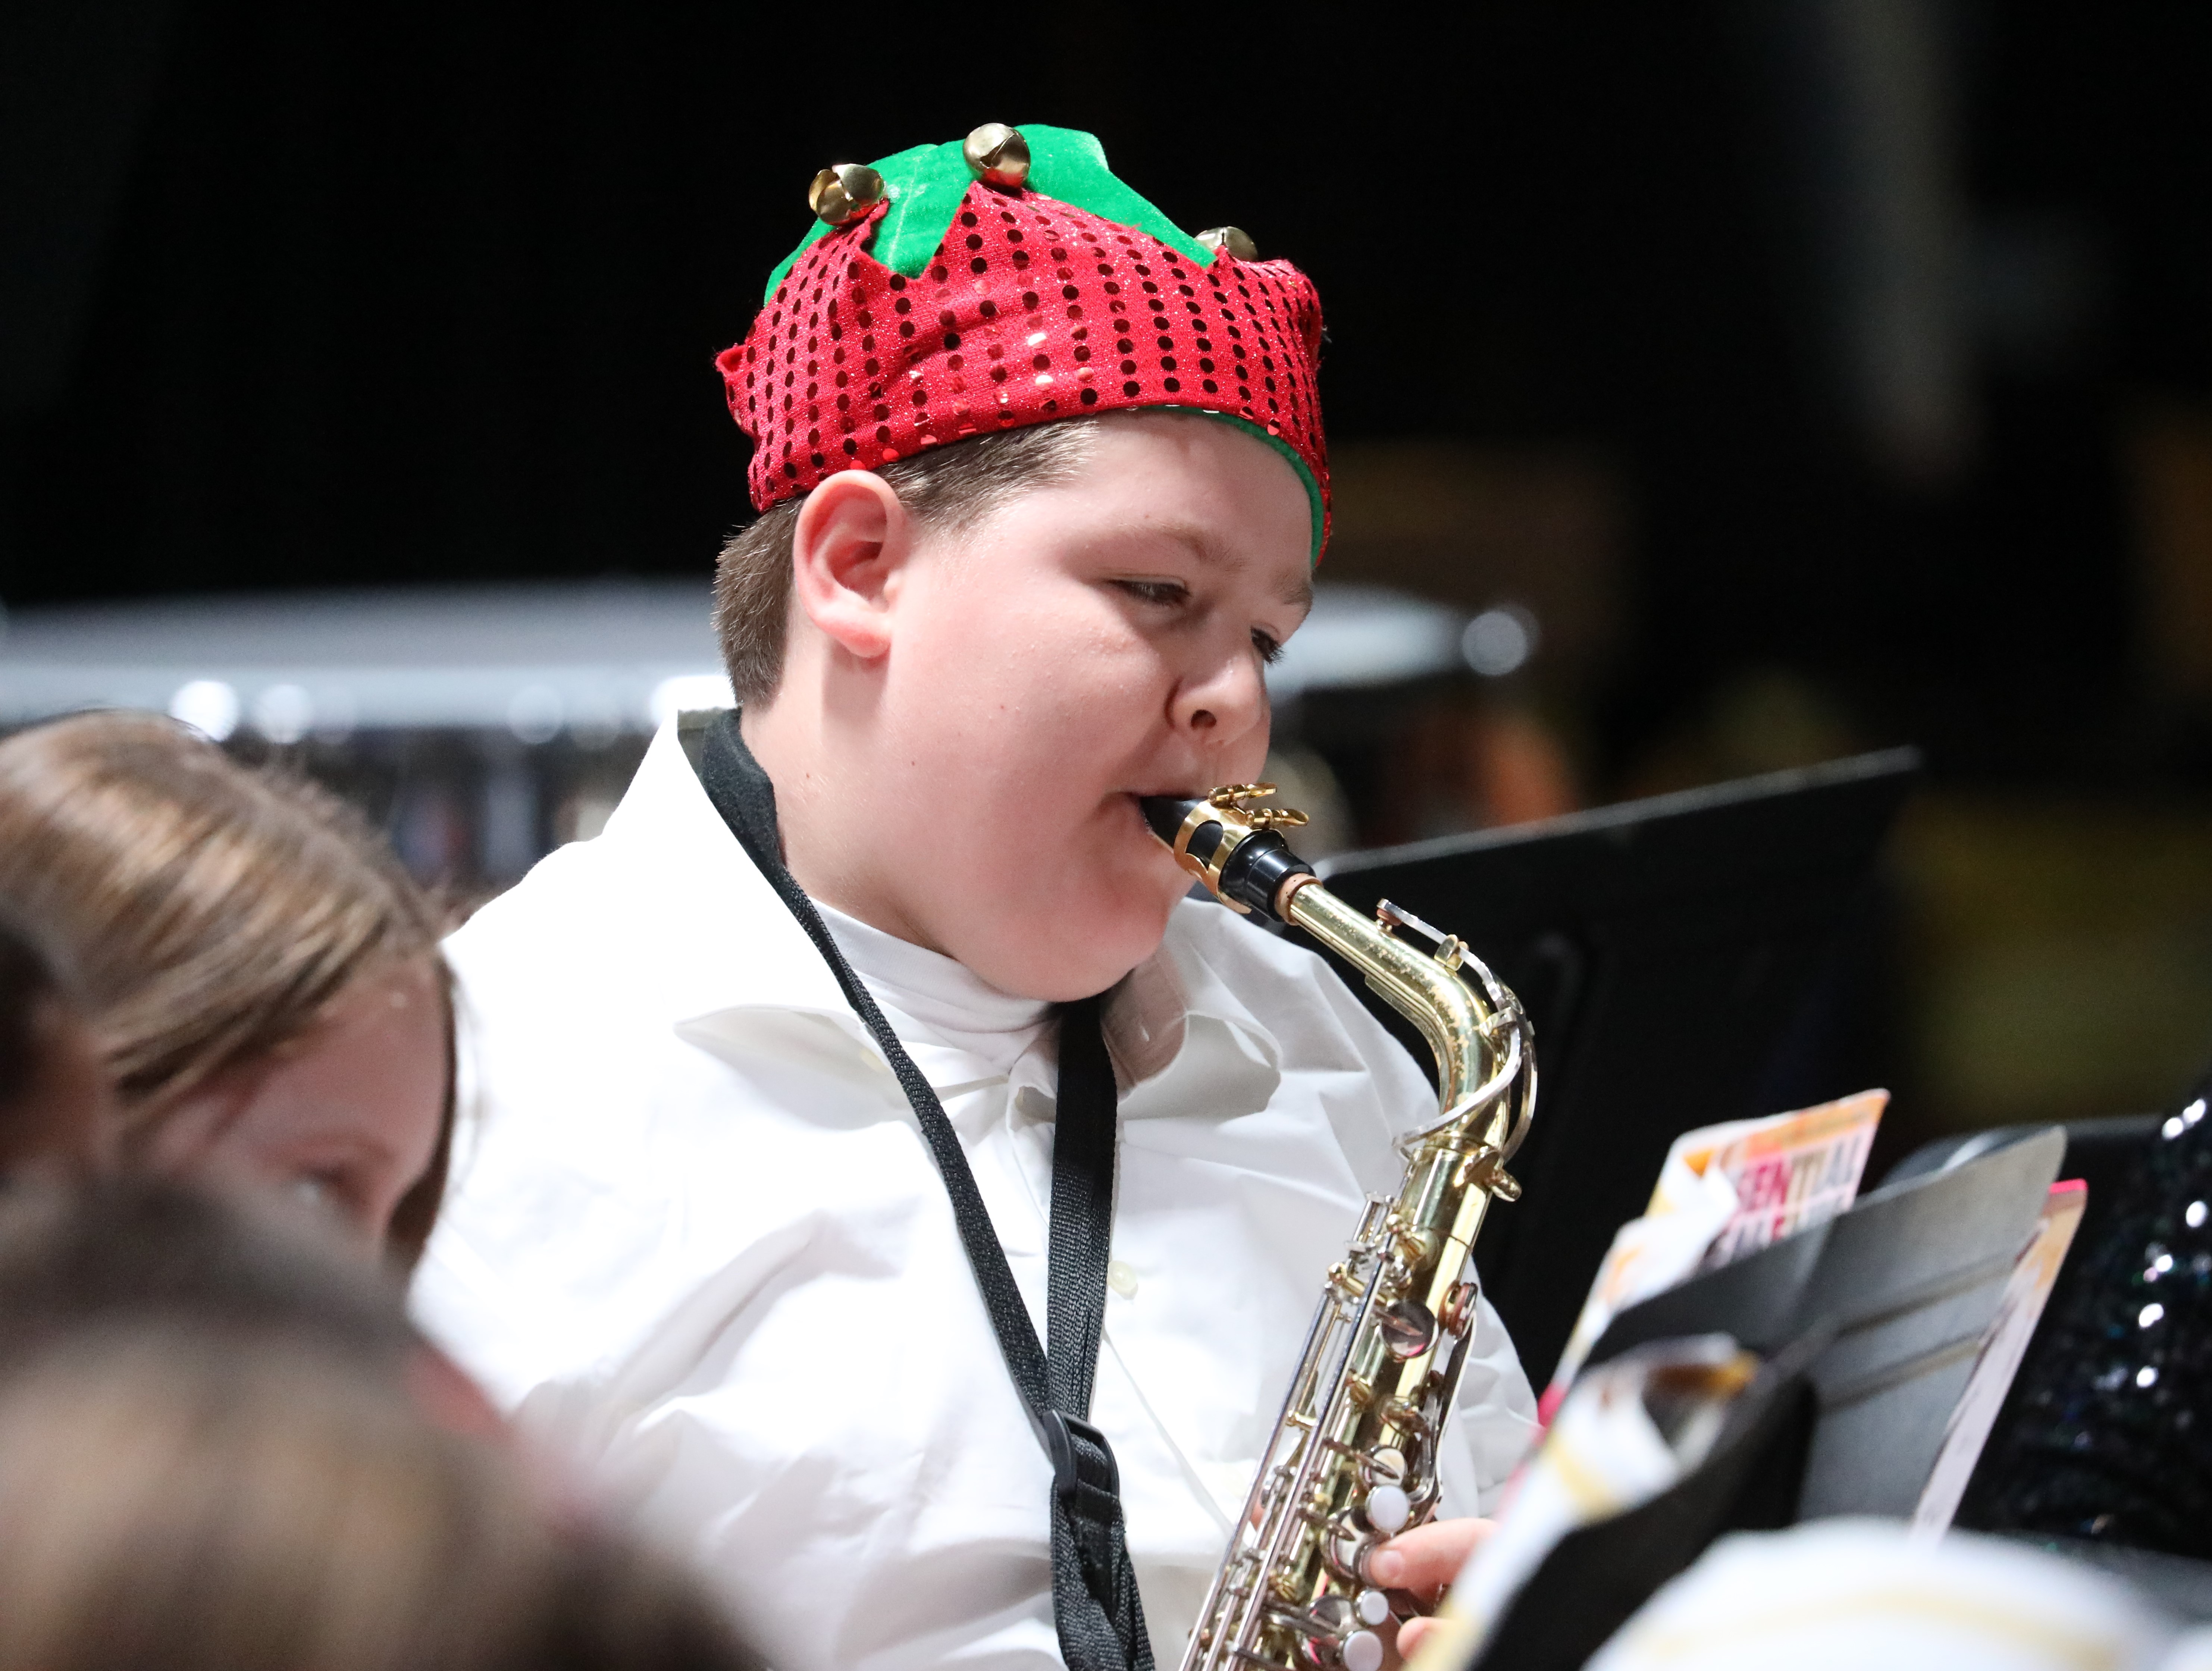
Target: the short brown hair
(946, 489)
(208, 910)
(182, 1498)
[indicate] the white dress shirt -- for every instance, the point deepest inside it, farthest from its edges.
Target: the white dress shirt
(693, 1239)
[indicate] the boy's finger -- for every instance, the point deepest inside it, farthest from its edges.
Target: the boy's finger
(1410, 1635)
(1426, 1559)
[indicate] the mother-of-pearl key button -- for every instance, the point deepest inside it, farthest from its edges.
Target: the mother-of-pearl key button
(1121, 1279)
(1388, 1509)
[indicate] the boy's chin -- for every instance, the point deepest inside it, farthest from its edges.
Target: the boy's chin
(1084, 953)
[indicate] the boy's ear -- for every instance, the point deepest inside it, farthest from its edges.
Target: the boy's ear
(852, 538)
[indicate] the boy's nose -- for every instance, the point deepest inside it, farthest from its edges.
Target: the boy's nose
(1222, 706)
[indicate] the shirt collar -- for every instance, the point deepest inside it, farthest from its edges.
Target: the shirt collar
(724, 940)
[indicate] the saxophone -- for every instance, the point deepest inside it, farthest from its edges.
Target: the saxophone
(1352, 1460)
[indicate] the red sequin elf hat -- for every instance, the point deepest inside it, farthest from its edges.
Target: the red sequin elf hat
(960, 290)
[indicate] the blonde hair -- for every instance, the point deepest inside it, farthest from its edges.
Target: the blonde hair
(209, 911)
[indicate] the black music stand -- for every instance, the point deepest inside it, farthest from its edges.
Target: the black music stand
(1900, 1290)
(1663, 948)
(1869, 1325)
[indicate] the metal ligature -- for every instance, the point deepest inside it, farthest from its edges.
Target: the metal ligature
(1352, 1460)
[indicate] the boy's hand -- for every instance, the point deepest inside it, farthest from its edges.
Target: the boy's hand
(1423, 1561)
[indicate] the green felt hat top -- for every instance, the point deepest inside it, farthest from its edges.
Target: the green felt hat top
(926, 184)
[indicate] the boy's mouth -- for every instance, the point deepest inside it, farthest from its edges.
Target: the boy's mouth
(1184, 789)
(1137, 799)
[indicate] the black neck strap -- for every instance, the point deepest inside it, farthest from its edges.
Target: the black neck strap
(1096, 1608)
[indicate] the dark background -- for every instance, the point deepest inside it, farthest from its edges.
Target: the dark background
(360, 293)
(1870, 322)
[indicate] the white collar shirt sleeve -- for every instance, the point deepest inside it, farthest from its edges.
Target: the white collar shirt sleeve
(695, 1241)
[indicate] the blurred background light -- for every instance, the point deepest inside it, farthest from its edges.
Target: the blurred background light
(534, 714)
(208, 706)
(1499, 641)
(284, 712)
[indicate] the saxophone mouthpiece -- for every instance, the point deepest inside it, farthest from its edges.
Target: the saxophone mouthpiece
(1234, 851)
(1165, 813)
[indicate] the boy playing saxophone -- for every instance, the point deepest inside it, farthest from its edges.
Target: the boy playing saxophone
(812, 1205)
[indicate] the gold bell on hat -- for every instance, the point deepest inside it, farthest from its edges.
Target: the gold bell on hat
(998, 155)
(1238, 241)
(844, 191)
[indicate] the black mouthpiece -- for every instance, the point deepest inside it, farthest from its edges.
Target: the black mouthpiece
(1256, 870)
(1165, 813)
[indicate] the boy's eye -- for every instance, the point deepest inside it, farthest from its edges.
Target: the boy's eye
(1155, 592)
(1174, 594)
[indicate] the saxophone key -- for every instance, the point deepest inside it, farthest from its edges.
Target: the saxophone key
(1387, 1509)
(1406, 1417)
(1408, 1328)
(1417, 1247)
(1459, 1310)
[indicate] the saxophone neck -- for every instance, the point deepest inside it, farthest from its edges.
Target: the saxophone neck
(1474, 1028)
(1231, 842)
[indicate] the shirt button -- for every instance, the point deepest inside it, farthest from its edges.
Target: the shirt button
(1121, 1277)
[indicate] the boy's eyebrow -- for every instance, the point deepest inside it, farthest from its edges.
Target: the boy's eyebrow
(1298, 595)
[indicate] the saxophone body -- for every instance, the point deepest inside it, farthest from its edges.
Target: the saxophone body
(1352, 1459)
